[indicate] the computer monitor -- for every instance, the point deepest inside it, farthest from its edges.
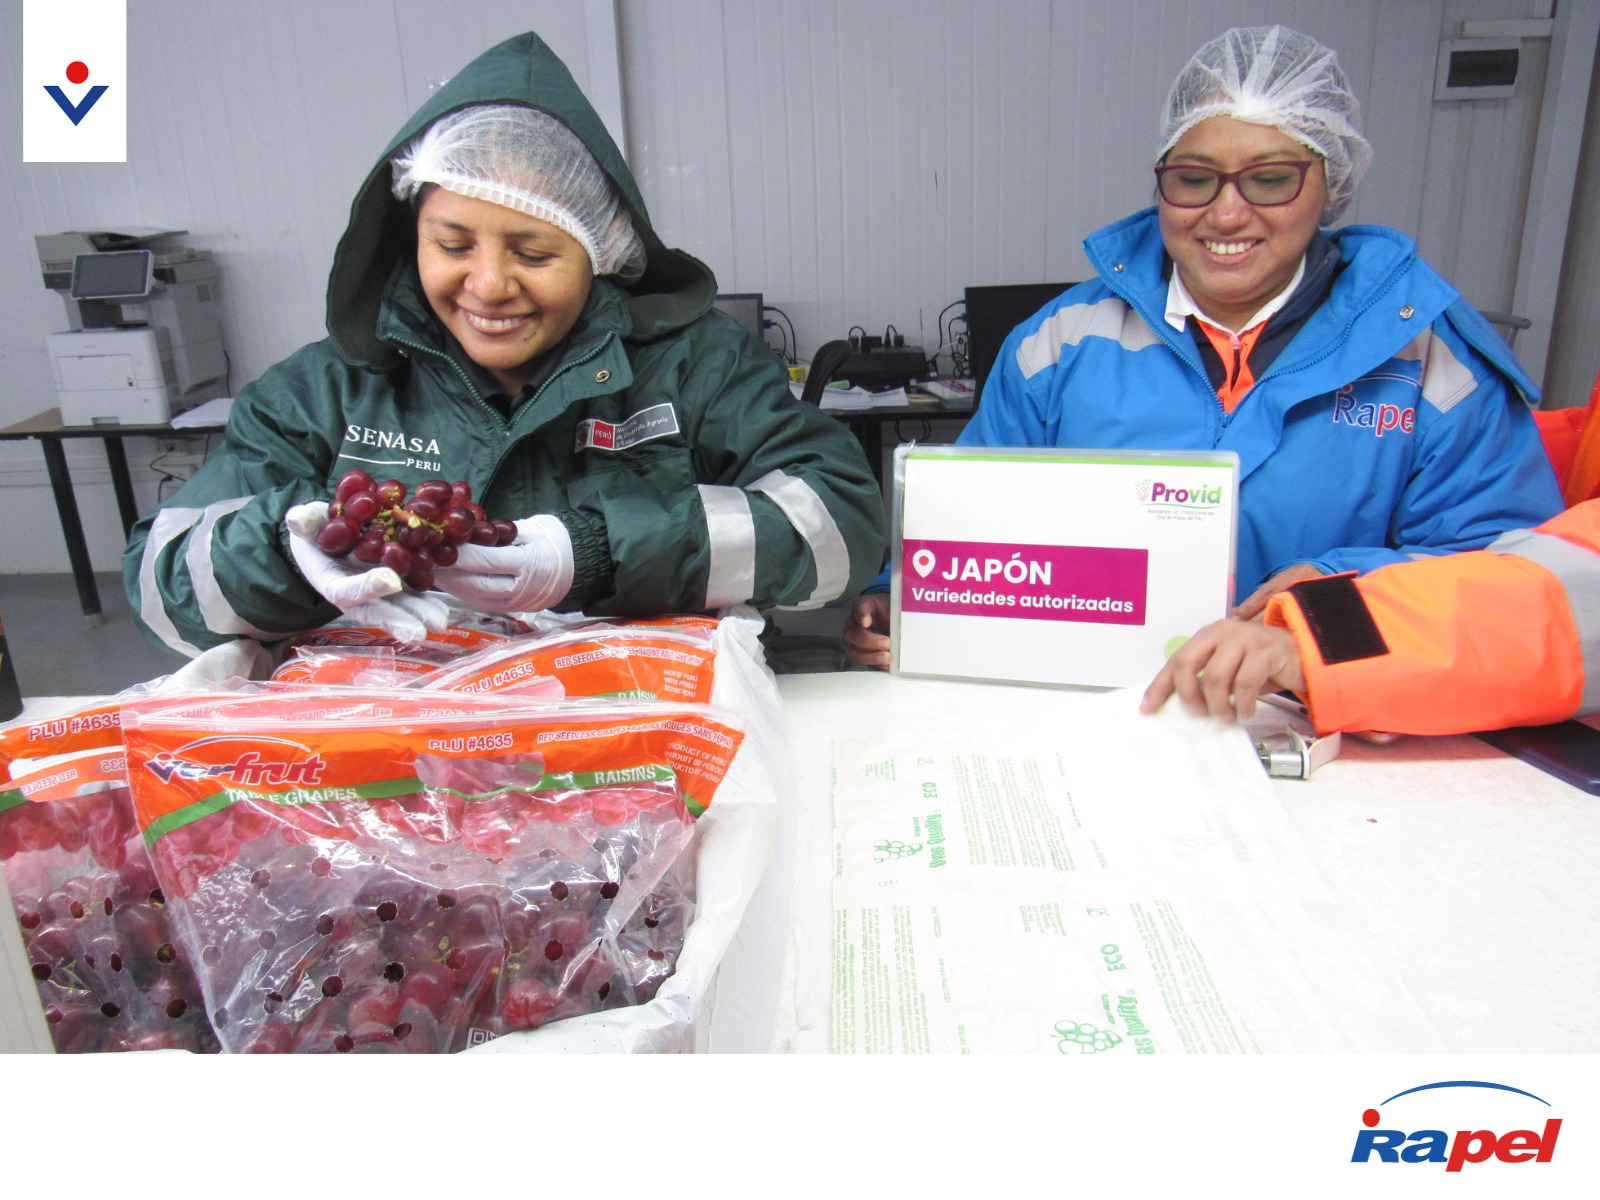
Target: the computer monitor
(993, 312)
(745, 308)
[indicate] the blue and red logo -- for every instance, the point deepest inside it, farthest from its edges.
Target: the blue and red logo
(1455, 1150)
(1367, 414)
(76, 74)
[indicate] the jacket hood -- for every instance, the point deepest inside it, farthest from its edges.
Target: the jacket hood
(674, 290)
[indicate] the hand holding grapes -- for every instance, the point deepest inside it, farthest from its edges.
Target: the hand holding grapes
(371, 594)
(531, 573)
(361, 551)
(373, 542)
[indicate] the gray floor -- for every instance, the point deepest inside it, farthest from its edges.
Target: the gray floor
(57, 652)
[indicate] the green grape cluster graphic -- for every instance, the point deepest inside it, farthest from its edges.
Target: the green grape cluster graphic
(1080, 1037)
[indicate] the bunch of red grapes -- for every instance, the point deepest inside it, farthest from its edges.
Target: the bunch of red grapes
(375, 523)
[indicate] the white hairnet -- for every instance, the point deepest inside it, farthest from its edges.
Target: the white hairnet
(525, 159)
(1271, 75)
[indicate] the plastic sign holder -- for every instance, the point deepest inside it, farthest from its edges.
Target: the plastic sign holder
(1063, 567)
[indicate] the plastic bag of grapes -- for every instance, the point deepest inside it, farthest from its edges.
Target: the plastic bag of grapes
(387, 871)
(595, 659)
(94, 921)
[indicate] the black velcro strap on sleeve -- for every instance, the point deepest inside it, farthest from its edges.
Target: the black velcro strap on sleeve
(1339, 620)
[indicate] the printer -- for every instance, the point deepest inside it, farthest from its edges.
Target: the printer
(145, 336)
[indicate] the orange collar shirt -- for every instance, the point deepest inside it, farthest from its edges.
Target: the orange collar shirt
(1232, 347)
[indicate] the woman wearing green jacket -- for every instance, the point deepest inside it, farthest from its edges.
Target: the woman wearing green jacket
(501, 312)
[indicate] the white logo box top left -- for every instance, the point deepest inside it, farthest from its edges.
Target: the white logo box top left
(74, 81)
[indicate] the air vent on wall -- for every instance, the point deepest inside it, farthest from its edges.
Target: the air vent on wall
(1476, 68)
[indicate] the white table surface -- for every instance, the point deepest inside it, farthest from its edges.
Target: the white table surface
(1475, 874)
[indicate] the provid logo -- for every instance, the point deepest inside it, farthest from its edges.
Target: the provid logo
(1158, 493)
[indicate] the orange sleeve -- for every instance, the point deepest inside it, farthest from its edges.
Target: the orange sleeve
(1581, 481)
(1560, 430)
(1480, 640)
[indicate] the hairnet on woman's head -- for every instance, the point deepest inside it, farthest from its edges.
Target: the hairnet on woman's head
(1271, 75)
(525, 159)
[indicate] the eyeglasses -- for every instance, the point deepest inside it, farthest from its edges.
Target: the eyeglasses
(1264, 184)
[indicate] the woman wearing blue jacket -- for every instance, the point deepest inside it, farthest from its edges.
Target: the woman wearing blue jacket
(1377, 417)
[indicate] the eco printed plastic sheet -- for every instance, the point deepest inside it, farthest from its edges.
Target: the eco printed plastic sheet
(1122, 885)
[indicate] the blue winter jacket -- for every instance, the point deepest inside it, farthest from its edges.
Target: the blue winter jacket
(1395, 425)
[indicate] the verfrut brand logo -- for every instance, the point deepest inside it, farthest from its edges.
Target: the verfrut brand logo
(1097, 584)
(248, 769)
(1375, 1144)
(74, 81)
(1173, 494)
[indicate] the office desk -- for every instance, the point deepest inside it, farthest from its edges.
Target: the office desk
(46, 429)
(1473, 873)
(867, 424)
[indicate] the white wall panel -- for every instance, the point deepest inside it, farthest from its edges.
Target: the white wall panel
(861, 163)
(1478, 156)
(1575, 350)
(250, 123)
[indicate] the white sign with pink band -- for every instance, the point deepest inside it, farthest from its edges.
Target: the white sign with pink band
(1066, 567)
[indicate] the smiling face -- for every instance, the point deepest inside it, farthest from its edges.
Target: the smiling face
(509, 287)
(1234, 256)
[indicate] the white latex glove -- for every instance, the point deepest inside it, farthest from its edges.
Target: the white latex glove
(532, 573)
(371, 595)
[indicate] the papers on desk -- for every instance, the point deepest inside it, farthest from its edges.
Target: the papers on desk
(212, 412)
(854, 399)
(951, 393)
(1120, 885)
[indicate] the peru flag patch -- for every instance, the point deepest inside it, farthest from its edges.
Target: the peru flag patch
(657, 421)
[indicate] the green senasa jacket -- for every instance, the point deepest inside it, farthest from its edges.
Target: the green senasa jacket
(723, 490)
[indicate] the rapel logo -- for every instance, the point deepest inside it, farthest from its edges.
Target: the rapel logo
(1458, 1148)
(1173, 494)
(74, 81)
(1376, 419)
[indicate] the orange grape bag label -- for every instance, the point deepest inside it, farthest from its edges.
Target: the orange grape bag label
(188, 758)
(629, 664)
(94, 728)
(62, 781)
(357, 666)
